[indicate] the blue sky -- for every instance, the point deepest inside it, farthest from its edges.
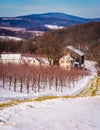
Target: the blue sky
(82, 8)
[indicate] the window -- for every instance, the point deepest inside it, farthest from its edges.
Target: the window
(62, 61)
(67, 60)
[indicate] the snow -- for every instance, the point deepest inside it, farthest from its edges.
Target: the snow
(18, 29)
(20, 59)
(76, 50)
(36, 33)
(53, 26)
(79, 86)
(90, 65)
(10, 58)
(6, 95)
(11, 38)
(13, 28)
(55, 114)
(30, 60)
(44, 61)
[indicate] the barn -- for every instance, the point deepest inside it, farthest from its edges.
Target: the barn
(76, 54)
(72, 57)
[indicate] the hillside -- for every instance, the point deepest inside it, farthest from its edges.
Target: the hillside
(19, 32)
(49, 109)
(84, 37)
(38, 21)
(29, 26)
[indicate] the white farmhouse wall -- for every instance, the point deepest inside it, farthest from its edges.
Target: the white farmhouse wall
(66, 62)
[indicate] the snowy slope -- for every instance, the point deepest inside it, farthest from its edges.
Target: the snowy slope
(90, 65)
(53, 26)
(78, 87)
(58, 114)
(10, 38)
(6, 95)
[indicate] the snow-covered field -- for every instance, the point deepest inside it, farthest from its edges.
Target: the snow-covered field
(13, 28)
(10, 38)
(53, 26)
(55, 114)
(6, 95)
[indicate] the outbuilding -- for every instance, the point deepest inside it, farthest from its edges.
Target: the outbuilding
(76, 54)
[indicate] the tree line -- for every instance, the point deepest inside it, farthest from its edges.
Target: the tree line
(85, 37)
(12, 46)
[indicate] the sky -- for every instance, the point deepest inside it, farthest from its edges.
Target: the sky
(81, 8)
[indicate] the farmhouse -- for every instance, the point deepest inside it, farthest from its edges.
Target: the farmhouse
(66, 62)
(73, 57)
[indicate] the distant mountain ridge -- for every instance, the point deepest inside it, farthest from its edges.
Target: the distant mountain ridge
(38, 21)
(56, 15)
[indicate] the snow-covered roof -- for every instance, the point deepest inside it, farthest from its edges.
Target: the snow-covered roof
(75, 50)
(43, 60)
(10, 56)
(29, 58)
